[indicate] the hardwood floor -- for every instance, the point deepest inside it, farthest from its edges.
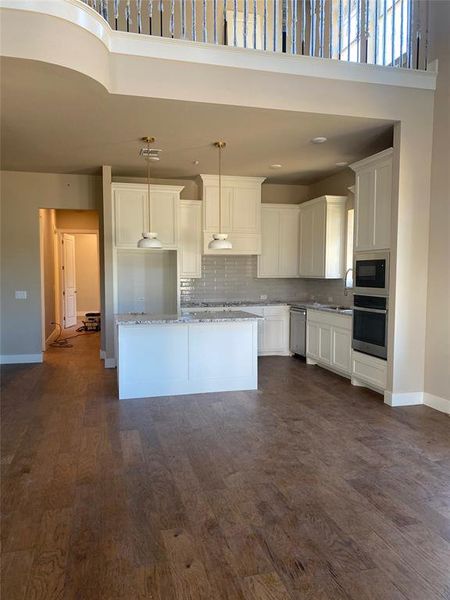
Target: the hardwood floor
(306, 489)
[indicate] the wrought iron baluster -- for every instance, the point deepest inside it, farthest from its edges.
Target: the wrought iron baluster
(401, 32)
(322, 28)
(150, 17)
(376, 40)
(139, 15)
(116, 14)
(265, 24)
(384, 30)
(245, 23)
(358, 29)
(215, 20)
(349, 27)
(235, 23)
(183, 19)
(172, 19)
(255, 15)
(304, 27)
(330, 28)
(161, 23)
(275, 24)
(194, 22)
(294, 27)
(128, 14)
(205, 33)
(312, 35)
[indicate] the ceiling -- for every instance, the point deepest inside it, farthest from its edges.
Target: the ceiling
(56, 120)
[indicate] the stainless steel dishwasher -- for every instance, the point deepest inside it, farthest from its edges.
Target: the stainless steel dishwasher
(298, 331)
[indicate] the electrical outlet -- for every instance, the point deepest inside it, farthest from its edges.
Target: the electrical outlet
(330, 298)
(21, 295)
(263, 297)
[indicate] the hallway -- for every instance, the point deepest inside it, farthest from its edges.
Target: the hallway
(307, 488)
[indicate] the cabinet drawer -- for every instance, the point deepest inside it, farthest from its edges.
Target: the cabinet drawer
(369, 369)
(329, 318)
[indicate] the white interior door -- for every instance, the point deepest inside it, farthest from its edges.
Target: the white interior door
(69, 280)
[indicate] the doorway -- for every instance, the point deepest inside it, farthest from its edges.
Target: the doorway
(70, 271)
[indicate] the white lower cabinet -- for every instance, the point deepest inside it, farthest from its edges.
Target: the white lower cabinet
(369, 371)
(329, 340)
(273, 329)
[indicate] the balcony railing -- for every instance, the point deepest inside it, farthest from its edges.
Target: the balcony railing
(381, 32)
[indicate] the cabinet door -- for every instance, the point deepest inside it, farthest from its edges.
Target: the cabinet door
(382, 206)
(211, 208)
(319, 216)
(268, 261)
(245, 206)
(274, 336)
(341, 349)
(306, 241)
(312, 339)
(130, 216)
(364, 210)
(288, 243)
(190, 239)
(325, 343)
(164, 217)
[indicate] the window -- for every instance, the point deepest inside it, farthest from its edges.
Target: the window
(349, 246)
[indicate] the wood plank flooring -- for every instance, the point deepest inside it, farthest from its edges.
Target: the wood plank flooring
(305, 489)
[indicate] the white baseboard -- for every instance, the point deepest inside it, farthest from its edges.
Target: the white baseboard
(18, 359)
(437, 402)
(110, 363)
(102, 354)
(403, 398)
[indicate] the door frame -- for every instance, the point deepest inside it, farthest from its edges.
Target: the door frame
(58, 263)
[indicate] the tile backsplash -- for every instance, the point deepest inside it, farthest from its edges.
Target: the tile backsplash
(228, 278)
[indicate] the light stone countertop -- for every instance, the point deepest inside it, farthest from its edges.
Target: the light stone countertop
(298, 303)
(193, 317)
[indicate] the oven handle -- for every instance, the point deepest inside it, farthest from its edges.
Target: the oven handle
(379, 311)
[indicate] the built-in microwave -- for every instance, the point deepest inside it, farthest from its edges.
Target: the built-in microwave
(371, 273)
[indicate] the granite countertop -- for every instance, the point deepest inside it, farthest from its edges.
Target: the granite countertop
(231, 303)
(194, 317)
(306, 304)
(333, 308)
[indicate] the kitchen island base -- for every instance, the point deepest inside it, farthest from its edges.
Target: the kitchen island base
(170, 359)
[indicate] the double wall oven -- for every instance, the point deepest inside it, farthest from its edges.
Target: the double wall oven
(370, 303)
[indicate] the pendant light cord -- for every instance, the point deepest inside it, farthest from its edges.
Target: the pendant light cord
(220, 188)
(148, 187)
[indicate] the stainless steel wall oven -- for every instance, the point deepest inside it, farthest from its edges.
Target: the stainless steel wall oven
(370, 325)
(371, 273)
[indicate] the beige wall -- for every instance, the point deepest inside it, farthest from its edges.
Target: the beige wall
(22, 195)
(47, 224)
(77, 219)
(335, 185)
(278, 193)
(87, 272)
(437, 367)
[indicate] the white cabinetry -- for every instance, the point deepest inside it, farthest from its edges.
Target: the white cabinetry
(190, 239)
(329, 340)
(240, 215)
(373, 195)
(273, 329)
(322, 237)
(133, 213)
(369, 371)
(280, 239)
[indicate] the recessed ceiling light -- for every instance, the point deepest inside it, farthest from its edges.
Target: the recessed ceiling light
(342, 163)
(276, 166)
(195, 162)
(319, 140)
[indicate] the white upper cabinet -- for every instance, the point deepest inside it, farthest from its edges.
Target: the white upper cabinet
(373, 196)
(132, 212)
(322, 237)
(190, 239)
(240, 216)
(280, 239)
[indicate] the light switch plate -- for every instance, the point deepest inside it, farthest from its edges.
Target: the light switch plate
(21, 295)
(263, 297)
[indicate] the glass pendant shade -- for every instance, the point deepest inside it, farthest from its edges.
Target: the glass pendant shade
(149, 240)
(220, 241)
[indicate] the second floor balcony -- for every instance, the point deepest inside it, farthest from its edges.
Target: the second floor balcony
(380, 32)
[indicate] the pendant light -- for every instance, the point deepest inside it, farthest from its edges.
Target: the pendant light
(149, 239)
(220, 240)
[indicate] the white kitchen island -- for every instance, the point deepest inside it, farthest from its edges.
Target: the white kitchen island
(167, 355)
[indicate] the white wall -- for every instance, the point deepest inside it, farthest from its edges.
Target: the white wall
(47, 225)
(437, 368)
